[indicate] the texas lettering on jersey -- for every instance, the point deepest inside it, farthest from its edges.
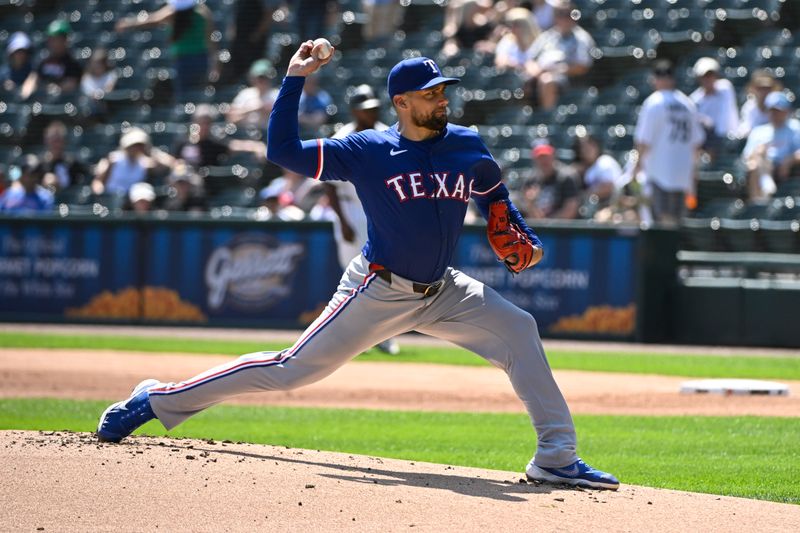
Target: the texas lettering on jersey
(412, 186)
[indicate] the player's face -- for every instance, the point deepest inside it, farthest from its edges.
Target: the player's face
(429, 107)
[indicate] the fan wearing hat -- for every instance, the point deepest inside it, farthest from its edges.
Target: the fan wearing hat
(26, 193)
(141, 197)
(186, 192)
(193, 50)
(20, 64)
(134, 162)
(552, 191)
(754, 110)
(773, 149)
(715, 99)
(58, 70)
(252, 106)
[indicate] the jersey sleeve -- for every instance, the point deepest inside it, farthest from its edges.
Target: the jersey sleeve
(486, 172)
(341, 159)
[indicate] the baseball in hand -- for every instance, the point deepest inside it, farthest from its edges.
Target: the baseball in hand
(322, 49)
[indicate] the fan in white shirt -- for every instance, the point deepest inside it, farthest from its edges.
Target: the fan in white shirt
(252, 106)
(668, 136)
(715, 99)
(754, 111)
(100, 76)
(602, 175)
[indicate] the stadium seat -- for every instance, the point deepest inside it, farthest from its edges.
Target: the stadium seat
(109, 200)
(74, 195)
(235, 197)
(717, 185)
(740, 235)
(700, 234)
(790, 187)
(781, 236)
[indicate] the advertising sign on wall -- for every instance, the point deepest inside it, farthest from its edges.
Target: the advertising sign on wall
(279, 275)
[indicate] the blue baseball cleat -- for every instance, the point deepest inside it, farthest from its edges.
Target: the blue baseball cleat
(578, 474)
(122, 418)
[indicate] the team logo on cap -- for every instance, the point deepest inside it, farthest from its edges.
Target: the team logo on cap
(433, 66)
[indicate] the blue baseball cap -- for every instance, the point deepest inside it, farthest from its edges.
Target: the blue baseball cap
(777, 100)
(415, 74)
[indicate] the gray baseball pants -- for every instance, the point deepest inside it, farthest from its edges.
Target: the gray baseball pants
(366, 310)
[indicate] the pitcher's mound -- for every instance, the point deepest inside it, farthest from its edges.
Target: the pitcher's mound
(68, 481)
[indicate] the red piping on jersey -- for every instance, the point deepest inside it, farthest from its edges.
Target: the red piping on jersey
(320, 160)
(496, 185)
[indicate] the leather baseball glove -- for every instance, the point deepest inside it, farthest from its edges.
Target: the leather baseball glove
(509, 242)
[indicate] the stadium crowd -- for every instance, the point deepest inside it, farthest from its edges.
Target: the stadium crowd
(184, 93)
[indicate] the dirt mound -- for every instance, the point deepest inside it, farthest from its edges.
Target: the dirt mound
(105, 375)
(58, 480)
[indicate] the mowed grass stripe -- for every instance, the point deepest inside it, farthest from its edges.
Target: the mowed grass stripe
(737, 456)
(756, 367)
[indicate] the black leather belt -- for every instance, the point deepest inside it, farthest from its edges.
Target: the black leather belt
(425, 289)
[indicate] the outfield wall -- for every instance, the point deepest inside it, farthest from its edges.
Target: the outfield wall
(267, 274)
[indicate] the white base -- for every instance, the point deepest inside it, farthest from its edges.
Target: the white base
(729, 387)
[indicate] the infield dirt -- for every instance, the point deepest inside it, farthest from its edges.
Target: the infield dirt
(69, 481)
(109, 375)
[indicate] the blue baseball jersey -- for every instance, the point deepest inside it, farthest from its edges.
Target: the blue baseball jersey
(415, 193)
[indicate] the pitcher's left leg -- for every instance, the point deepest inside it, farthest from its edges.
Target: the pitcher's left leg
(474, 316)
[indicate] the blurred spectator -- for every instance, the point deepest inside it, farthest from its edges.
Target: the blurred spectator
(100, 76)
(141, 197)
(471, 26)
(252, 106)
(754, 111)
(203, 149)
(715, 99)
(553, 189)
(350, 223)
(629, 204)
(61, 168)
(668, 138)
(515, 48)
(26, 193)
(185, 192)
(295, 189)
(772, 149)
(135, 160)
(314, 103)
(311, 17)
(601, 173)
(58, 70)
(277, 200)
(191, 44)
(20, 64)
(383, 18)
(543, 13)
(248, 34)
(560, 56)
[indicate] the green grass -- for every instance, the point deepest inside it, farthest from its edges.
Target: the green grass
(755, 367)
(737, 456)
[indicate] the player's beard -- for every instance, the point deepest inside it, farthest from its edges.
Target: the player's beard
(436, 121)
